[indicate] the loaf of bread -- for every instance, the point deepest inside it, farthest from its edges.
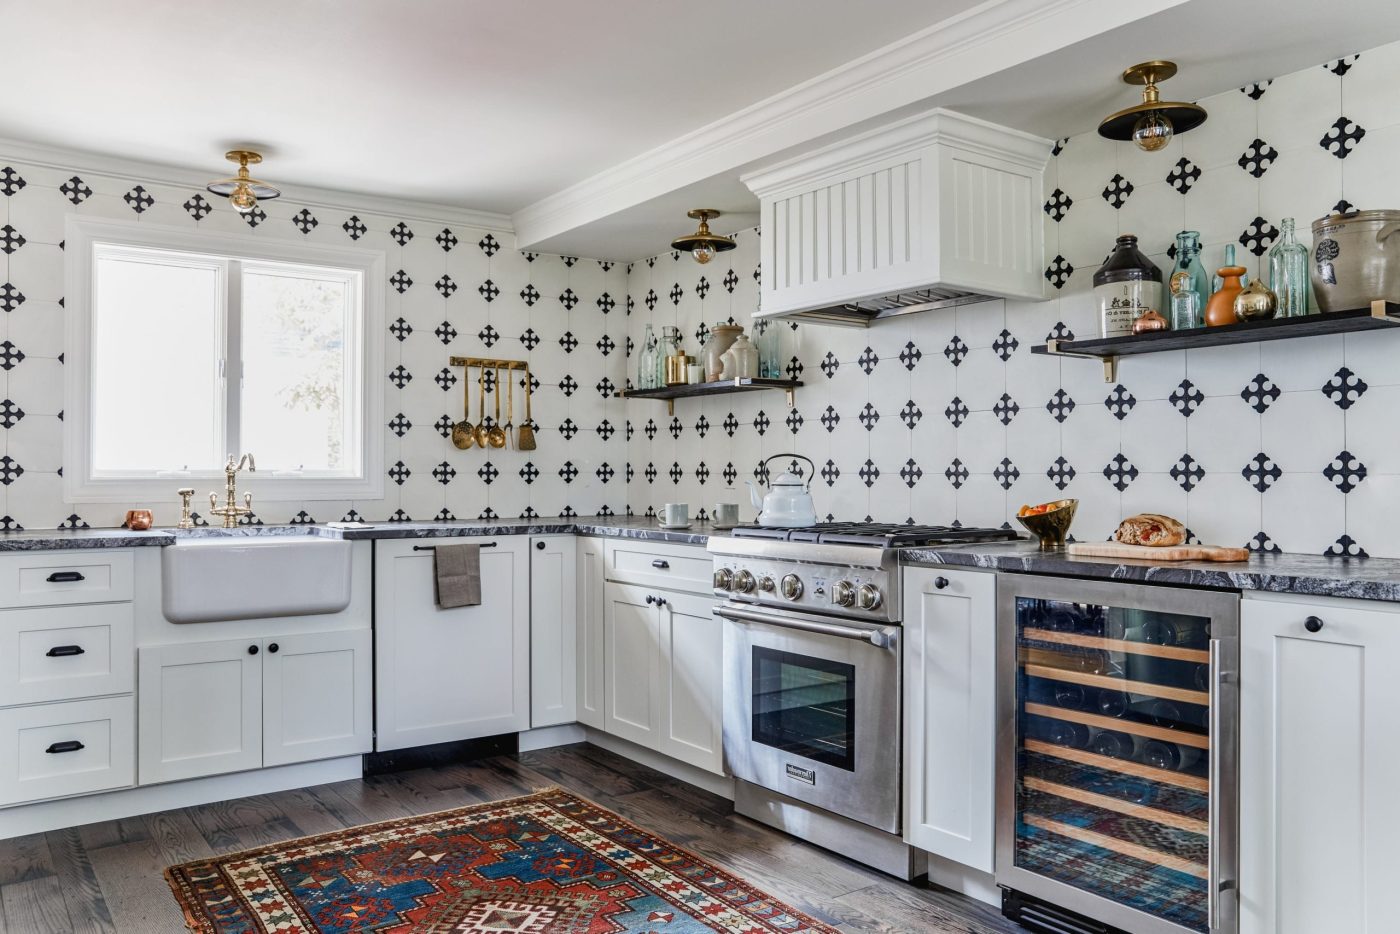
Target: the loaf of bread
(1148, 528)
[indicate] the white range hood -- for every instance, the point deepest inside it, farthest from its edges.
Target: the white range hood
(934, 210)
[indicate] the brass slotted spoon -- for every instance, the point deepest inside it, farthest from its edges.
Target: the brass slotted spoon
(510, 405)
(463, 433)
(526, 441)
(481, 430)
(496, 437)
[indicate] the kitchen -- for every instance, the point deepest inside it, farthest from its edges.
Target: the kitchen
(878, 677)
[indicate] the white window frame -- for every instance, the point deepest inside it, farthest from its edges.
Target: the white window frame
(83, 485)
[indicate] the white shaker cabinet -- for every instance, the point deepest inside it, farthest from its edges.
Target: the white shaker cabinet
(591, 641)
(553, 631)
(1319, 755)
(317, 696)
(692, 685)
(632, 681)
(950, 713)
(461, 673)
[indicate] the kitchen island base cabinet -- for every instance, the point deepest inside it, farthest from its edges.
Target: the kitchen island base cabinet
(1319, 758)
(950, 713)
(450, 674)
(663, 681)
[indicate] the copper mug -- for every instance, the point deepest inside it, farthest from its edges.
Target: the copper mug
(139, 520)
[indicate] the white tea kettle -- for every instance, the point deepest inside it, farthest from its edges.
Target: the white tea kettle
(788, 503)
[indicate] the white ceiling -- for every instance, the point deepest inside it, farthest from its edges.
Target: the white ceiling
(485, 105)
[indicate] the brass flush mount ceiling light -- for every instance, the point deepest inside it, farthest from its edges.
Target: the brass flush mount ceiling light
(1151, 124)
(243, 192)
(702, 244)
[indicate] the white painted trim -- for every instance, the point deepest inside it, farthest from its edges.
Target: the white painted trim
(548, 737)
(134, 170)
(80, 233)
(986, 39)
(147, 799)
(965, 880)
(722, 785)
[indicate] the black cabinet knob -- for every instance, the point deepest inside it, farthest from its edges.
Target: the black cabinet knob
(660, 601)
(273, 648)
(1312, 624)
(539, 546)
(940, 583)
(252, 650)
(650, 599)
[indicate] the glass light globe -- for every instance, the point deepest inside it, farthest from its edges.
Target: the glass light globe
(243, 199)
(1152, 132)
(703, 253)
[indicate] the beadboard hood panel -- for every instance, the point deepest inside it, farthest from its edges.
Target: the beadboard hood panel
(931, 211)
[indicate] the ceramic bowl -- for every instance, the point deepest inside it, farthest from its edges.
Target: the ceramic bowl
(1051, 527)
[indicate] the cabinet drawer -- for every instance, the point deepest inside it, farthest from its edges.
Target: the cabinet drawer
(654, 564)
(64, 653)
(56, 750)
(55, 578)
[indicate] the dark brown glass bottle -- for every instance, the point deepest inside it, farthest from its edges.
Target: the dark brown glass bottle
(1126, 286)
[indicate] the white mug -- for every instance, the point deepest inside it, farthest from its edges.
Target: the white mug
(726, 514)
(675, 514)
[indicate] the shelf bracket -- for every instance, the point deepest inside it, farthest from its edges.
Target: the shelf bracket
(789, 395)
(1110, 362)
(670, 406)
(1378, 311)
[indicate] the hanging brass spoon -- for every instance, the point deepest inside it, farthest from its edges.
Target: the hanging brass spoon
(497, 435)
(481, 430)
(463, 434)
(510, 405)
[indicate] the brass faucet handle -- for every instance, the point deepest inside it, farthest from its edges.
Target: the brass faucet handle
(248, 501)
(213, 501)
(186, 520)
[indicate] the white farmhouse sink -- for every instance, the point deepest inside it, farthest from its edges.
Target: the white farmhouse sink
(208, 579)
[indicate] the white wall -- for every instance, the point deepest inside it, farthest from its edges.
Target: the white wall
(1251, 444)
(35, 198)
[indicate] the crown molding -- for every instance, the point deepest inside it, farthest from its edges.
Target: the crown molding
(988, 38)
(135, 170)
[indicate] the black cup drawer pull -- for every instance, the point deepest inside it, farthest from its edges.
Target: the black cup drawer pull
(64, 651)
(68, 745)
(65, 577)
(661, 565)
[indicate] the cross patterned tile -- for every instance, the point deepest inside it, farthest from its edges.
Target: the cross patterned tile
(956, 473)
(761, 423)
(1342, 137)
(1006, 409)
(1256, 90)
(1186, 398)
(446, 286)
(1259, 236)
(869, 473)
(568, 299)
(445, 332)
(10, 356)
(354, 227)
(444, 473)
(305, 221)
(399, 473)
(606, 303)
(1345, 471)
(1120, 402)
(401, 281)
(1187, 472)
(10, 181)
(489, 245)
(401, 233)
(1117, 192)
(1261, 472)
(1183, 175)
(1120, 472)
(1261, 543)
(1060, 405)
(446, 239)
(198, 207)
(138, 199)
(830, 473)
(910, 355)
(254, 217)
(1346, 547)
(1060, 473)
(1260, 393)
(1006, 473)
(399, 424)
(1342, 65)
(1005, 345)
(1344, 388)
(956, 350)
(830, 364)
(1058, 272)
(1058, 205)
(868, 360)
(445, 379)
(957, 412)
(10, 239)
(10, 297)
(1257, 157)
(911, 473)
(911, 414)
(794, 420)
(75, 190)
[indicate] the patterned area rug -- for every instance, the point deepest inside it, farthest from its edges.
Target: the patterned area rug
(547, 862)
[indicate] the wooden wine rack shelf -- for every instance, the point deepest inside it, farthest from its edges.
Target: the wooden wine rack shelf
(1145, 688)
(1119, 806)
(1119, 725)
(1174, 652)
(1113, 844)
(1122, 766)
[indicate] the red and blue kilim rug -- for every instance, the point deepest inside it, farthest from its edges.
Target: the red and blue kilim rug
(547, 863)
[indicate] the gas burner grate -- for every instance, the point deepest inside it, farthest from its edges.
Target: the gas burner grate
(886, 535)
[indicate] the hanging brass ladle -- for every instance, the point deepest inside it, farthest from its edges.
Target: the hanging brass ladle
(496, 437)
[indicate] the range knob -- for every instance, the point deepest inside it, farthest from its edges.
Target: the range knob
(723, 578)
(744, 582)
(766, 585)
(869, 597)
(843, 593)
(792, 586)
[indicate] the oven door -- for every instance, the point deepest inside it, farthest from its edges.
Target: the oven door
(811, 710)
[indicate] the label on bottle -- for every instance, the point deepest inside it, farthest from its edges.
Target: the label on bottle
(1122, 303)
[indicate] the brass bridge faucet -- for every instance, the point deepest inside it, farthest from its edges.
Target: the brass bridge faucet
(230, 510)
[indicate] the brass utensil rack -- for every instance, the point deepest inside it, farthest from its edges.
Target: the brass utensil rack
(494, 364)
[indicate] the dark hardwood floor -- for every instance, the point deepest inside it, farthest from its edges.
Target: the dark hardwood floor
(108, 876)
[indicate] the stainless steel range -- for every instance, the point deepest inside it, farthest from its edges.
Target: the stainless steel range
(812, 679)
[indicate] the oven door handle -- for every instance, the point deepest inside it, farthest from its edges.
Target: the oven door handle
(876, 637)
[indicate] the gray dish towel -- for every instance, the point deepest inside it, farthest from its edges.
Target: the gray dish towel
(457, 570)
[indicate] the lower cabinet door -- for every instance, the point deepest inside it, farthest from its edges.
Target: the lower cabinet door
(200, 709)
(55, 750)
(450, 674)
(553, 631)
(592, 642)
(692, 687)
(317, 696)
(634, 660)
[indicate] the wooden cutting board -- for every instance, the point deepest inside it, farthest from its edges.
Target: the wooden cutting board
(1155, 553)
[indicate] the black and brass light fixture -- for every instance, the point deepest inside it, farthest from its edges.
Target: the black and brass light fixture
(702, 244)
(243, 192)
(1151, 124)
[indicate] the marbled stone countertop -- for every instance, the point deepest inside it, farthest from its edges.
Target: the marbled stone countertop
(1310, 575)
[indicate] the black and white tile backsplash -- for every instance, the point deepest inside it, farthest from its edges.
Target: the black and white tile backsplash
(1293, 445)
(451, 290)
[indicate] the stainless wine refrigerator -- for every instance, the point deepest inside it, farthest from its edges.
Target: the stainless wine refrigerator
(1117, 756)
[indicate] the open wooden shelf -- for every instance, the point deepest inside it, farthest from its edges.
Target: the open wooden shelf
(1122, 766)
(1174, 652)
(1120, 725)
(1379, 315)
(1144, 688)
(716, 388)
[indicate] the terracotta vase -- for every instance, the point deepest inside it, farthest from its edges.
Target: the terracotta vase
(1220, 309)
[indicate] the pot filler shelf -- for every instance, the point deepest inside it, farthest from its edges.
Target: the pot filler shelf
(1379, 315)
(715, 388)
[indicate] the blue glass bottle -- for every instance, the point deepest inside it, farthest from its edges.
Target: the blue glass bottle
(1189, 284)
(1288, 273)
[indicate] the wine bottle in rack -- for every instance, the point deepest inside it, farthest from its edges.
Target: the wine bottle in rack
(1111, 703)
(1114, 744)
(1063, 733)
(1165, 713)
(1069, 696)
(1170, 756)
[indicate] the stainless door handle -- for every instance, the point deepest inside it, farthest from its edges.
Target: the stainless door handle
(1216, 885)
(875, 637)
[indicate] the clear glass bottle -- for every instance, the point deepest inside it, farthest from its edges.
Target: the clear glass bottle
(1189, 283)
(766, 338)
(1288, 273)
(1216, 281)
(646, 361)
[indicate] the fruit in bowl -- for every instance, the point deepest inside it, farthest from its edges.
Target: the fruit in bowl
(1049, 522)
